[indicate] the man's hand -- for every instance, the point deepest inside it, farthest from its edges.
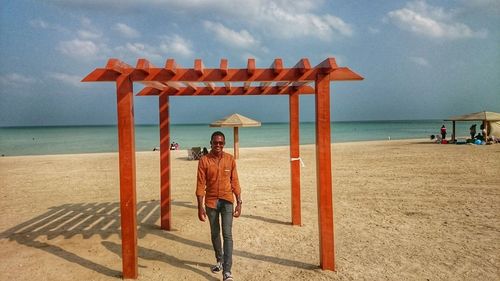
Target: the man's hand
(202, 215)
(237, 210)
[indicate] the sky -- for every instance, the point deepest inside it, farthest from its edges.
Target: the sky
(420, 59)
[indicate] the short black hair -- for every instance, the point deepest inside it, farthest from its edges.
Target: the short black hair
(217, 133)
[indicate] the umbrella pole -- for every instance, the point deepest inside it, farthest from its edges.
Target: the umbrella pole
(236, 143)
(453, 137)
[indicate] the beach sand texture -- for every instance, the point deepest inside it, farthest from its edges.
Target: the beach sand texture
(404, 210)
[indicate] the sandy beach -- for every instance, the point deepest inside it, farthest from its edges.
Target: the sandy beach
(404, 210)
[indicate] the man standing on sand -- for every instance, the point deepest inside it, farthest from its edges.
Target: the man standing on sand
(217, 183)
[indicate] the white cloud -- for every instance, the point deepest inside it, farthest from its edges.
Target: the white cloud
(140, 50)
(126, 30)
(73, 80)
(168, 46)
(80, 49)
(277, 18)
(176, 45)
(88, 45)
(87, 34)
(286, 22)
(420, 61)
(242, 39)
(39, 23)
(430, 21)
(16, 80)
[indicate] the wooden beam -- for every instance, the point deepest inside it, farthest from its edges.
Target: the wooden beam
(265, 84)
(295, 157)
(165, 199)
(344, 74)
(282, 85)
(101, 74)
(191, 85)
(126, 148)
(251, 67)
(234, 91)
(198, 66)
(174, 85)
(232, 75)
(209, 85)
(149, 91)
(223, 67)
(171, 66)
(303, 65)
(154, 84)
(324, 173)
(327, 66)
(118, 66)
(246, 85)
(277, 65)
(298, 84)
(144, 64)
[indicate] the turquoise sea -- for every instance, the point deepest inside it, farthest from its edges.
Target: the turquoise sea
(91, 139)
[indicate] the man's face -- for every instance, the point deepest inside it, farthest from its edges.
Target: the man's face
(217, 143)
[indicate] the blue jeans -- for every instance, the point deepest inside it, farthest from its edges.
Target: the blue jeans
(224, 210)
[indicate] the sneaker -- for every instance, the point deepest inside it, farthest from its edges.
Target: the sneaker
(227, 276)
(216, 268)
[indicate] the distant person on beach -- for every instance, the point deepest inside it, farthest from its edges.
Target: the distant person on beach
(443, 132)
(483, 132)
(205, 151)
(217, 186)
(472, 131)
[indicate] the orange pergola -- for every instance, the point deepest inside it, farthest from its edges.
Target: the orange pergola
(173, 80)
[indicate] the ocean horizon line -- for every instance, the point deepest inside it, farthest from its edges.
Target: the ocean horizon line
(198, 124)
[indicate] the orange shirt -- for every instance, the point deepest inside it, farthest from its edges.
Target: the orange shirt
(217, 179)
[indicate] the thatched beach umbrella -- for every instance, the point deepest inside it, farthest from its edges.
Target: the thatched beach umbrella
(235, 120)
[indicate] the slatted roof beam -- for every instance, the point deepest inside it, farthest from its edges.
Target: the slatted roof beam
(198, 66)
(171, 66)
(174, 85)
(223, 66)
(277, 65)
(210, 85)
(300, 73)
(221, 91)
(303, 65)
(118, 66)
(143, 65)
(246, 85)
(191, 85)
(265, 84)
(282, 85)
(327, 66)
(149, 91)
(251, 66)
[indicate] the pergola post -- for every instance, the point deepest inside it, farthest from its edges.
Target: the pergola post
(126, 146)
(165, 199)
(324, 172)
(294, 157)
(236, 143)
